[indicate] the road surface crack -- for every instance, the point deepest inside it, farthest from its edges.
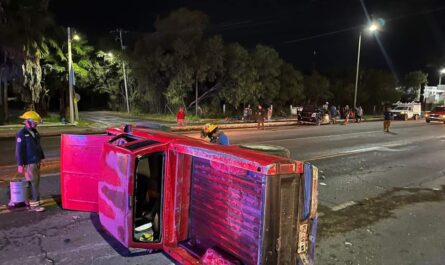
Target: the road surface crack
(44, 252)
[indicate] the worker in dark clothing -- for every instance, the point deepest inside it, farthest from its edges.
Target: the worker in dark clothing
(215, 135)
(387, 119)
(29, 154)
(260, 117)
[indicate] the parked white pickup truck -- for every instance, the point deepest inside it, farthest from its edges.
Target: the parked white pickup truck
(405, 111)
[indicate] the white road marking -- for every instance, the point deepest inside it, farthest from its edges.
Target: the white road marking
(319, 137)
(343, 206)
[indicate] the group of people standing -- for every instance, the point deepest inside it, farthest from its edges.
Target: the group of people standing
(260, 115)
(344, 112)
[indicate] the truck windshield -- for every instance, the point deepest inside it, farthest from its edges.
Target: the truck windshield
(439, 109)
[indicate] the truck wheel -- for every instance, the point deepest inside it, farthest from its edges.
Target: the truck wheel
(416, 117)
(269, 149)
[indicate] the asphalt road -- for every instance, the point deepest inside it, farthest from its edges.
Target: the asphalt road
(382, 201)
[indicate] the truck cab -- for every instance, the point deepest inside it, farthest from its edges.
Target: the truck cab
(200, 203)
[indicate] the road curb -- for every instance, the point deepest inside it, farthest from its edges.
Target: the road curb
(235, 126)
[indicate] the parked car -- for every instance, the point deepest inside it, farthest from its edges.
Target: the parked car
(200, 203)
(437, 114)
(314, 115)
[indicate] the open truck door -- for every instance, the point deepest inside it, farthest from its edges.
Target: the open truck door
(130, 191)
(80, 168)
(100, 173)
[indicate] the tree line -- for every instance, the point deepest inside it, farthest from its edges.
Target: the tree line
(176, 65)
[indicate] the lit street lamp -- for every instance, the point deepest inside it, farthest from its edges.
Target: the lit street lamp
(441, 72)
(372, 28)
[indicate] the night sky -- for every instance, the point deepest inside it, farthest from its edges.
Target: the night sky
(311, 34)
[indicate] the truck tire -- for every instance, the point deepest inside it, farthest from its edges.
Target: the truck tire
(416, 117)
(269, 149)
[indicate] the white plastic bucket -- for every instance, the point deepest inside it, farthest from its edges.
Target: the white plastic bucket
(18, 191)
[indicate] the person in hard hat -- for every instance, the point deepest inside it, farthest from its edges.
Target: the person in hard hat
(29, 154)
(215, 135)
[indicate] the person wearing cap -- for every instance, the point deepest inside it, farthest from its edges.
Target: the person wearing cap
(29, 154)
(215, 135)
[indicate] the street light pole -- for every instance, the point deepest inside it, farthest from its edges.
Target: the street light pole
(358, 66)
(70, 77)
(124, 72)
(372, 28)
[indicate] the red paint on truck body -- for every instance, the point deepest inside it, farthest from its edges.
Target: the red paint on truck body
(224, 184)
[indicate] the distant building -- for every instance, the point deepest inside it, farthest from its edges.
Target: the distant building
(434, 94)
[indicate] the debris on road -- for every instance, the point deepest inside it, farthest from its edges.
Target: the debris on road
(323, 184)
(76, 217)
(348, 243)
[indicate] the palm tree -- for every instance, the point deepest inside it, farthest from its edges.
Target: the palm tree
(22, 44)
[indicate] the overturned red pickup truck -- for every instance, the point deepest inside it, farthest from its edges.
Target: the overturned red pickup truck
(200, 203)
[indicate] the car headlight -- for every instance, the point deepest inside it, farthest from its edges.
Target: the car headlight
(427, 115)
(314, 115)
(442, 116)
(402, 112)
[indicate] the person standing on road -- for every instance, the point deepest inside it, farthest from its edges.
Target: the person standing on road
(180, 116)
(29, 154)
(269, 113)
(333, 113)
(358, 114)
(387, 119)
(260, 117)
(347, 114)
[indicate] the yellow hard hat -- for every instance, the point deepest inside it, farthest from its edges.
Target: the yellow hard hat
(31, 115)
(210, 127)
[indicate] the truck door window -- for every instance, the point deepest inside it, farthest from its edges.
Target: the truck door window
(123, 139)
(147, 215)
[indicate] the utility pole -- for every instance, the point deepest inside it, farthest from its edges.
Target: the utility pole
(358, 66)
(196, 97)
(124, 72)
(70, 77)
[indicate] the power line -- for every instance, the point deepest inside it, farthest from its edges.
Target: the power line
(426, 12)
